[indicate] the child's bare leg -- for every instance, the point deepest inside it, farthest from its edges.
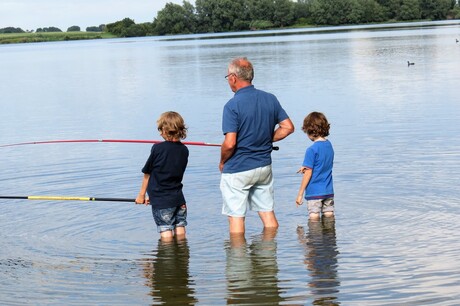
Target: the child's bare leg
(328, 214)
(166, 235)
(314, 216)
(180, 232)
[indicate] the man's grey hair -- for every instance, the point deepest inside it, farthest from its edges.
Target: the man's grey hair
(242, 68)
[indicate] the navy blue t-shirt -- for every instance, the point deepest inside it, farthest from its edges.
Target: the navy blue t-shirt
(253, 115)
(166, 166)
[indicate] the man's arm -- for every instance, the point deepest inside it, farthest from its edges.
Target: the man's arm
(284, 129)
(227, 149)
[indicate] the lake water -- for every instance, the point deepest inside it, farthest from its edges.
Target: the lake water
(394, 128)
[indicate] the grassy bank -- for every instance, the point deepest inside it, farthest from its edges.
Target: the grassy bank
(54, 36)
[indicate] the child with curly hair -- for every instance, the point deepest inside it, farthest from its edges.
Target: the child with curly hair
(162, 181)
(317, 185)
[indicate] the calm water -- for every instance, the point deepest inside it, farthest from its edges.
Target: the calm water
(394, 128)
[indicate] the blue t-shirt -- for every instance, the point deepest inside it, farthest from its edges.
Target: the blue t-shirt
(253, 115)
(166, 166)
(320, 158)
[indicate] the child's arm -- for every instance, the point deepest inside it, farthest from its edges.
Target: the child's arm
(305, 180)
(140, 199)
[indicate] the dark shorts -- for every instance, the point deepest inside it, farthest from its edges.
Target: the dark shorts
(167, 219)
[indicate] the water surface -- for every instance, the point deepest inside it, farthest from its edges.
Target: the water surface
(394, 130)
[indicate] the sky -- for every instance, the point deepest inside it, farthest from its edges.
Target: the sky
(33, 14)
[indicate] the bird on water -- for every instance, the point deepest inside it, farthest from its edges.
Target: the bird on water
(409, 63)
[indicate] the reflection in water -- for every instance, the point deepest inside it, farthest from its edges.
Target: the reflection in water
(168, 274)
(252, 270)
(321, 260)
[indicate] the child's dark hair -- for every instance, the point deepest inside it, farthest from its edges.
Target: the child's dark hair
(172, 125)
(316, 125)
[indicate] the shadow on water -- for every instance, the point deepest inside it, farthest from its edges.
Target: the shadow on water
(252, 270)
(321, 260)
(167, 274)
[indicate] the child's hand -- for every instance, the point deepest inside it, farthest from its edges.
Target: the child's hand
(302, 170)
(299, 200)
(142, 200)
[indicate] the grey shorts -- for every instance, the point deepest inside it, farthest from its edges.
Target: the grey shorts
(320, 206)
(247, 190)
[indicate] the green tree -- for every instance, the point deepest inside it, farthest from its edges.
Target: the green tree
(332, 12)
(261, 10)
(373, 11)
(136, 30)
(49, 29)
(302, 11)
(410, 10)
(73, 29)
(436, 9)
(175, 19)
(221, 15)
(283, 14)
(427, 6)
(117, 28)
(9, 30)
(455, 12)
(259, 13)
(365, 11)
(390, 8)
(318, 13)
(357, 13)
(190, 14)
(100, 28)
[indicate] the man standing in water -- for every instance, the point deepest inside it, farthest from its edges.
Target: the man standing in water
(252, 120)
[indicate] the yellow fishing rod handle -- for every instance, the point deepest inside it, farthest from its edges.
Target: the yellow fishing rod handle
(60, 198)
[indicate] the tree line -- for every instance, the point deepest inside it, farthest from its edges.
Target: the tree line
(13, 30)
(212, 16)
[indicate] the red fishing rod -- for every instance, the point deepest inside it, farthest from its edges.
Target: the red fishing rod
(190, 143)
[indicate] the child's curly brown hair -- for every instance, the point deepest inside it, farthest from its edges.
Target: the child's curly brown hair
(316, 125)
(172, 126)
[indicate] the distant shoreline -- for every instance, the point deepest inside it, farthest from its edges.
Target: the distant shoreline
(16, 38)
(311, 30)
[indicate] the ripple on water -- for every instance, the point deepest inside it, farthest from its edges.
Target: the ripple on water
(393, 251)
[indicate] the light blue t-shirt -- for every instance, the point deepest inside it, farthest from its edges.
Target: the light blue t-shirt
(253, 115)
(320, 158)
